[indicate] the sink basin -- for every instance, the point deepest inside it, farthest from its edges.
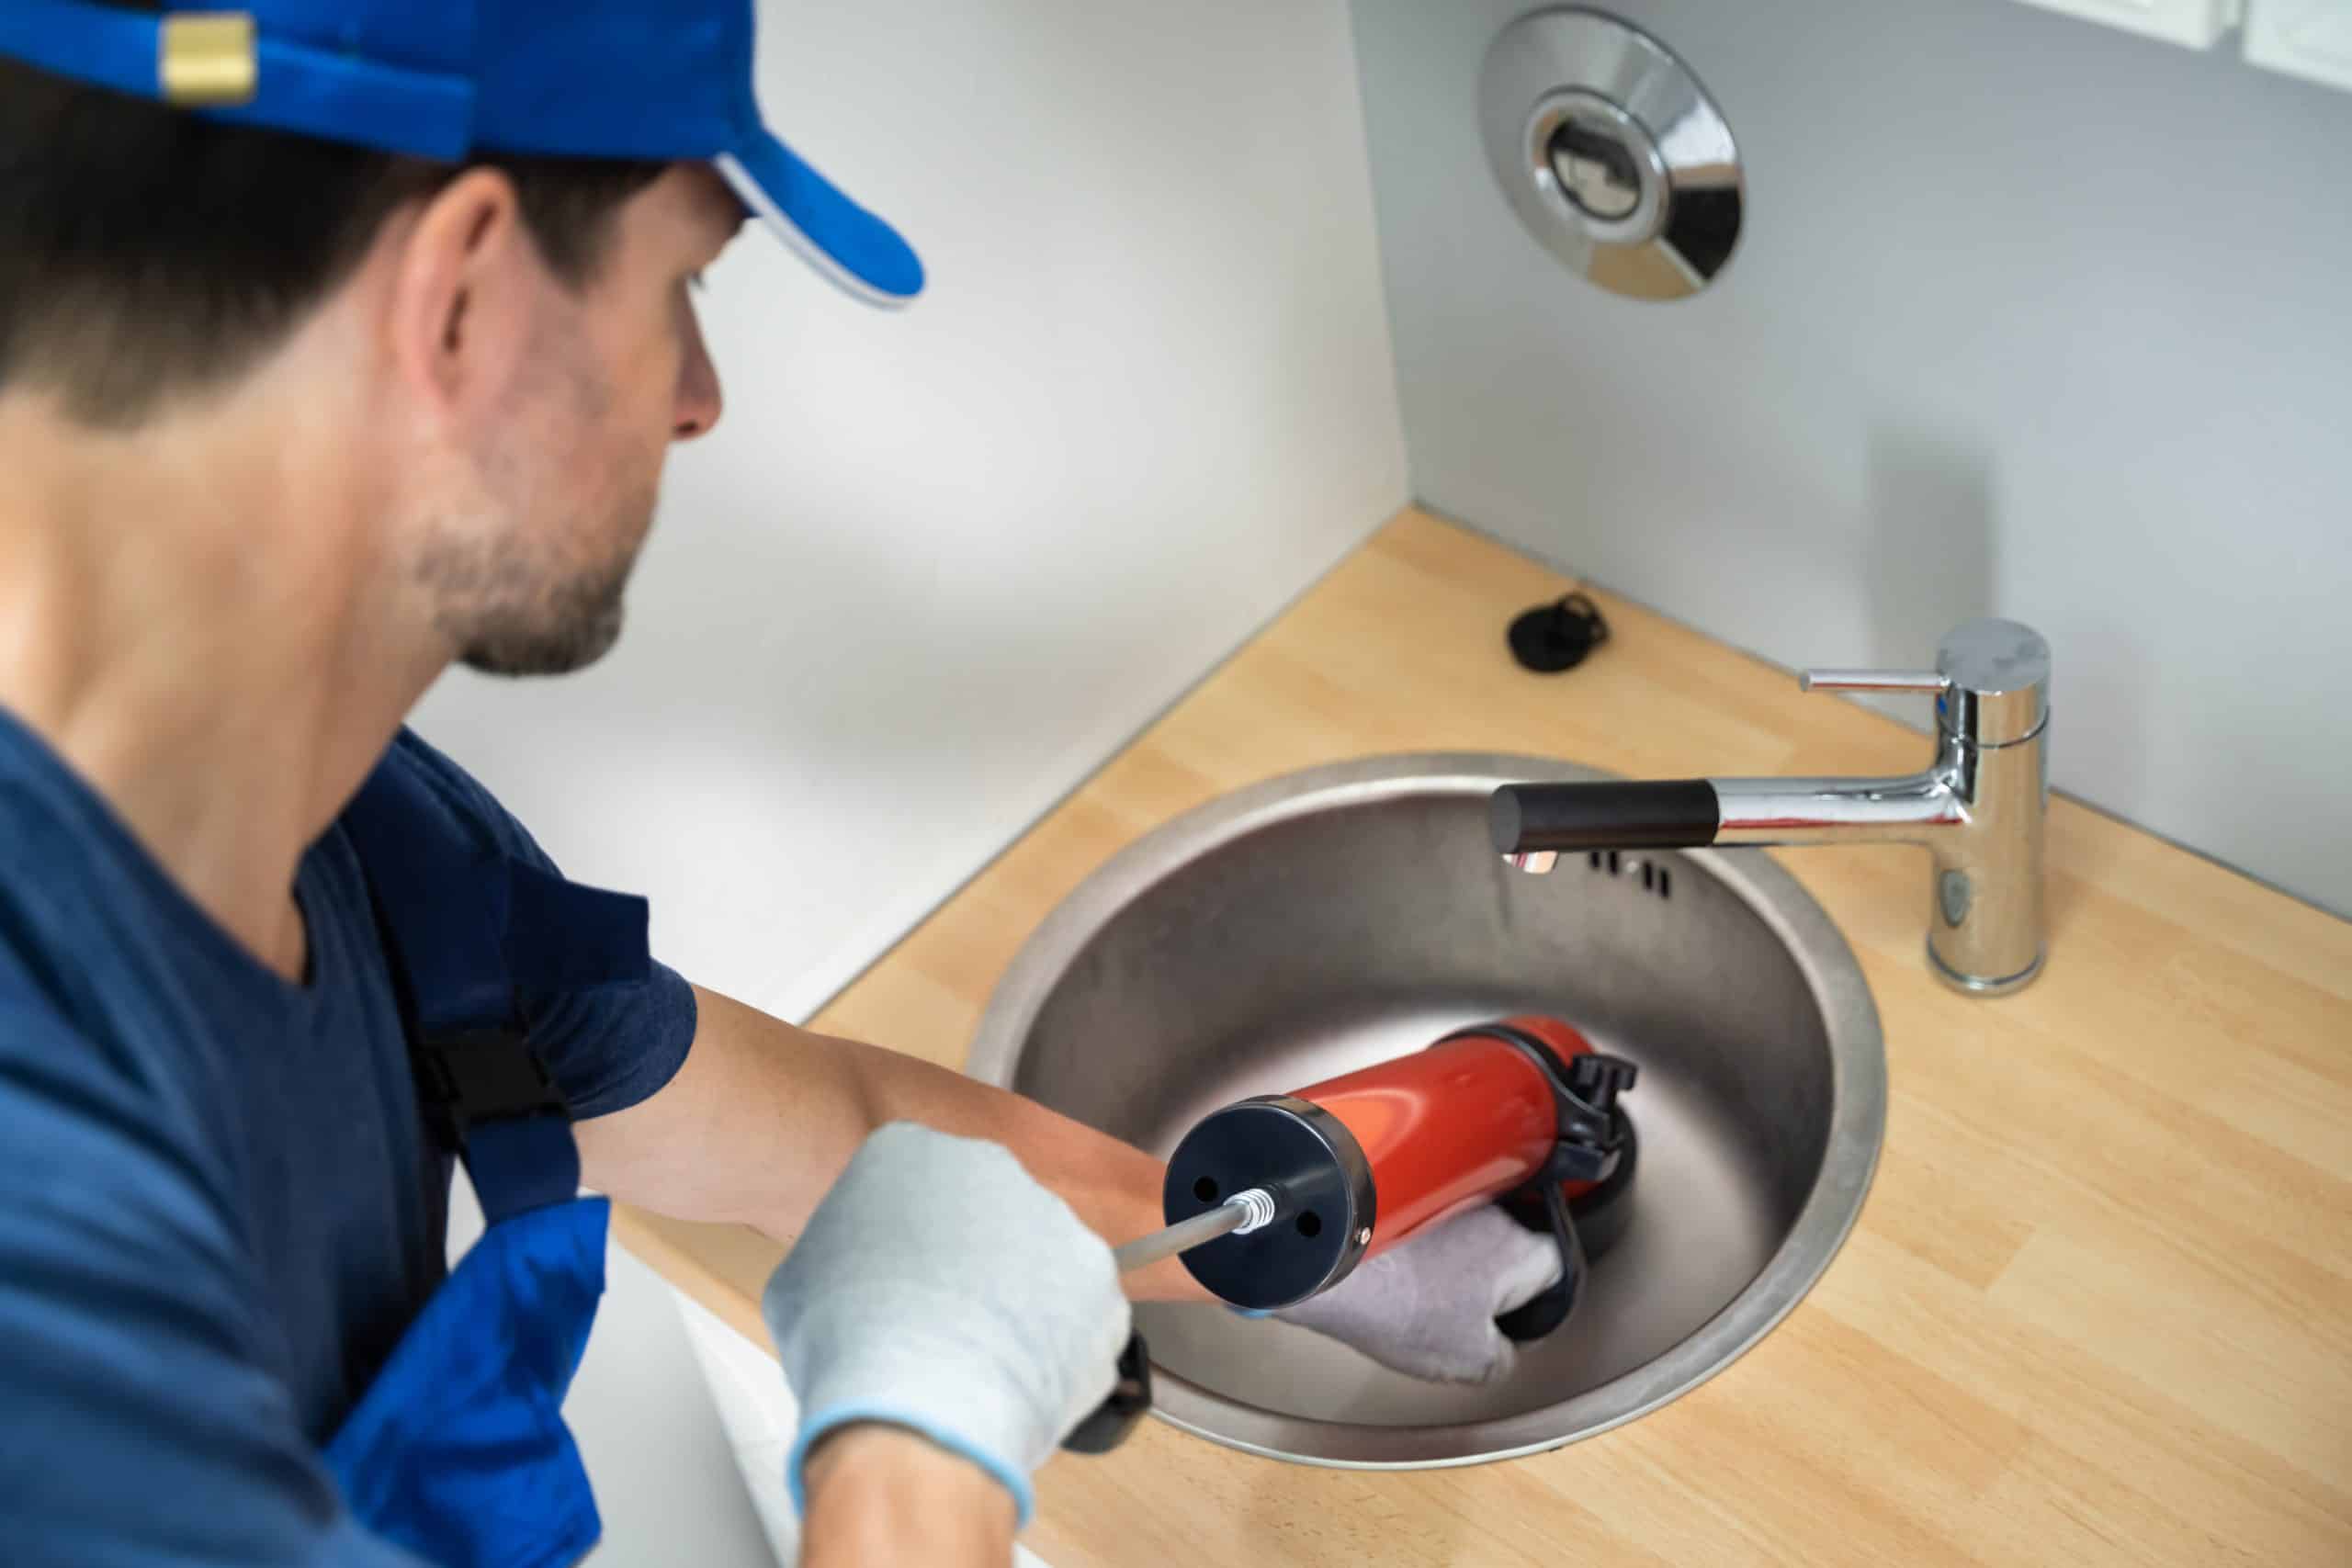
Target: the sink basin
(1339, 917)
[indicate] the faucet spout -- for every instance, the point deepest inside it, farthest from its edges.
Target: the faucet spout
(1918, 808)
(1532, 823)
(1979, 806)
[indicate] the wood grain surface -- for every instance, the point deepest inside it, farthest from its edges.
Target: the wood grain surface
(2099, 1307)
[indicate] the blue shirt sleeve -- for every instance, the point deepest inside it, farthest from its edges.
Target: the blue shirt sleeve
(609, 1048)
(143, 1423)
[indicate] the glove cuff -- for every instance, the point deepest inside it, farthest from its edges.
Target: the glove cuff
(936, 1371)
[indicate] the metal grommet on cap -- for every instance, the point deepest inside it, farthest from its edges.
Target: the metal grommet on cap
(207, 59)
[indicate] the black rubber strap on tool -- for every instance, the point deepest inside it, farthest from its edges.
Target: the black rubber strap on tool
(1550, 1308)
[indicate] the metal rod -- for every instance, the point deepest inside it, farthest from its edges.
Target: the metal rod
(1931, 681)
(1237, 1215)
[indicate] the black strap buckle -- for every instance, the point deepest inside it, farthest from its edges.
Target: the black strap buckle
(470, 1075)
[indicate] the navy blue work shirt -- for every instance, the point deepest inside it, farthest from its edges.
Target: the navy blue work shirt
(219, 1205)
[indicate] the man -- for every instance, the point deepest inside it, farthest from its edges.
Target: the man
(340, 343)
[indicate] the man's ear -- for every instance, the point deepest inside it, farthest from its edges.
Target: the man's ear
(463, 291)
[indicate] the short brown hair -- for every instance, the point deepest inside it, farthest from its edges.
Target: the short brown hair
(145, 251)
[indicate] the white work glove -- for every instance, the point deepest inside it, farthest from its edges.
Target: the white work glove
(1428, 1305)
(940, 1289)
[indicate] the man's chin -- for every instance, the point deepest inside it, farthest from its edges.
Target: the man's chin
(568, 623)
(576, 642)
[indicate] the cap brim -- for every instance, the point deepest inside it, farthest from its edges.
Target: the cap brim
(860, 253)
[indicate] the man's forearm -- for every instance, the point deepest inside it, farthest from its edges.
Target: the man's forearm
(879, 1495)
(1114, 1187)
(762, 1116)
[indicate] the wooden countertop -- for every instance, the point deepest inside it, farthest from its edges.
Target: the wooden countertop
(2097, 1308)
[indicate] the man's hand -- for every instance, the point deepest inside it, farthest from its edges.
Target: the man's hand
(883, 1494)
(939, 1290)
(1428, 1306)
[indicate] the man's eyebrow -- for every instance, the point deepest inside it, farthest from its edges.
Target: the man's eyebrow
(719, 198)
(739, 210)
(727, 229)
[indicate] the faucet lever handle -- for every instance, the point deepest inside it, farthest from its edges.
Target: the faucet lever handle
(1929, 681)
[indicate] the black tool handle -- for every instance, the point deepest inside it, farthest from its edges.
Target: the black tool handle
(1112, 1420)
(1669, 815)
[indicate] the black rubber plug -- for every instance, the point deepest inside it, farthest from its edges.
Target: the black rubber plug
(1552, 638)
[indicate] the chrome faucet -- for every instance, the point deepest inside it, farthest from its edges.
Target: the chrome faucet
(1978, 807)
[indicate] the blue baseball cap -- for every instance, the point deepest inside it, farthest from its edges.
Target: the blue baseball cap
(666, 80)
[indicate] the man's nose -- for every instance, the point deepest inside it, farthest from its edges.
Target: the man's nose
(698, 395)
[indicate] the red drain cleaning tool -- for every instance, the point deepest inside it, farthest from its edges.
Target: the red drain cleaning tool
(1523, 1110)
(1274, 1199)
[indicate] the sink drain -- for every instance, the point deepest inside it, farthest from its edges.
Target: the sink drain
(1314, 925)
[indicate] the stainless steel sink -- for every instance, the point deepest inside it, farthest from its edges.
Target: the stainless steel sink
(1347, 914)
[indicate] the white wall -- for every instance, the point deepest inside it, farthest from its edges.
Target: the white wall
(935, 567)
(2029, 318)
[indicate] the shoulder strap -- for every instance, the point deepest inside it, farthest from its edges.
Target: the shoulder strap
(467, 928)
